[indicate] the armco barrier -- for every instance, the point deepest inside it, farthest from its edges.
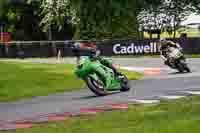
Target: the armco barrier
(2, 51)
(108, 48)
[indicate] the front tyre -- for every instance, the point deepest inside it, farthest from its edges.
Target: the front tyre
(96, 86)
(125, 86)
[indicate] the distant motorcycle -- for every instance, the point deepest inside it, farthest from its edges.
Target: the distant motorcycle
(177, 60)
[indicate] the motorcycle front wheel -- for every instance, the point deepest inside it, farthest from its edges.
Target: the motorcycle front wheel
(96, 86)
(125, 86)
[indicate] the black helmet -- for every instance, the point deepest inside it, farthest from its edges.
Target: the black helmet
(163, 41)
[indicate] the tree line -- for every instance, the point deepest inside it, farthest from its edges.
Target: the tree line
(92, 19)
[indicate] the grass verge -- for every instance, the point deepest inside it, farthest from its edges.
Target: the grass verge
(193, 56)
(26, 80)
(181, 116)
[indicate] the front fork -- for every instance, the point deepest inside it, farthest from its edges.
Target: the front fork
(107, 79)
(101, 73)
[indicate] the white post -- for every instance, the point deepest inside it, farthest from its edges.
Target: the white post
(59, 55)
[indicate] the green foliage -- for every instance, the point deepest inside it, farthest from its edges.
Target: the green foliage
(166, 16)
(195, 4)
(56, 13)
(177, 11)
(109, 19)
(21, 18)
(93, 19)
(2, 4)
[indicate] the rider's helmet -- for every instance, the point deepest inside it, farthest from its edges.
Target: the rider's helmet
(163, 41)
(86, 48)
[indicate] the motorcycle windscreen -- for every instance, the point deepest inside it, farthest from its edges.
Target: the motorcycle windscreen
(83, 59)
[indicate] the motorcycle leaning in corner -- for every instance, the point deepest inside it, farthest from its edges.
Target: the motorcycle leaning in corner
(96, 73)
(173, 56)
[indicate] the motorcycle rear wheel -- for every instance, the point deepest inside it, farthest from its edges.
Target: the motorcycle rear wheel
(187, 69)
(182, 66)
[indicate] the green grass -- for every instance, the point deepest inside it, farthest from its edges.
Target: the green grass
(132, 75)
(27, 80)
(181, 116)
(193, 56)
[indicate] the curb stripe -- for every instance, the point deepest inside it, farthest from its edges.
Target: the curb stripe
(192, 92)
(91, 111)
(119, 106)
(171, 97)
(58, 117)
(147, 70)
(22, 126)
(29, 123)
(145, 101)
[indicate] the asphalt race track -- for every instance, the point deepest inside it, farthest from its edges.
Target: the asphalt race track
(160, 82)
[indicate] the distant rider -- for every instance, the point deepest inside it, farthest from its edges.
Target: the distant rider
(164, 48)
(90, 50)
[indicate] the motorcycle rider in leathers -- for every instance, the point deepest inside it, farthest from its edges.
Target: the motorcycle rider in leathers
(90, 50)
(164, 47)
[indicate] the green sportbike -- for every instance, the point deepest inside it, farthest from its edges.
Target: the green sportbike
(99, 78)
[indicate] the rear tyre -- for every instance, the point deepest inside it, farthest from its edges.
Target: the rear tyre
(183, 66)
(97, 87)
(180, 66)
(180, 70)
(187, 69)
